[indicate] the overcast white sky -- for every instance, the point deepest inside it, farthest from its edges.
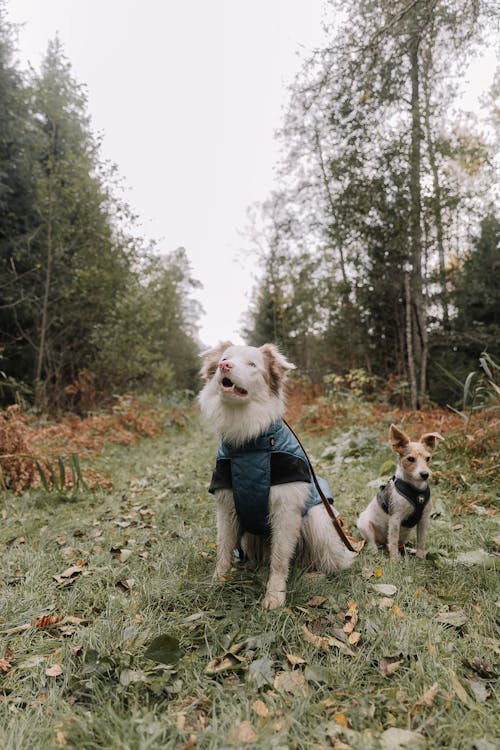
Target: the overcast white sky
(188, 95)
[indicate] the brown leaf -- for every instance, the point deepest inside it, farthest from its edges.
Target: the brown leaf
(5, 664)
(45, 621)
(427, 699)
(294, 659)
(316, 601)
(246, 733)
(292, 682)
(260, 708)
(390, 664)
(318, 641)
(54, 671)
(351, 617)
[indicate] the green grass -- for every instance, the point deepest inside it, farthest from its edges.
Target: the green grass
(109, 695)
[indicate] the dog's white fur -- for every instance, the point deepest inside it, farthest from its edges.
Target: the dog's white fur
(242, 396)
(381, 528)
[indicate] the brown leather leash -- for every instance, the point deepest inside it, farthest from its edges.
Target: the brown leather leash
(337, 523)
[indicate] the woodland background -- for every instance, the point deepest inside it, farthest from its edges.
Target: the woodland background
(379, 255)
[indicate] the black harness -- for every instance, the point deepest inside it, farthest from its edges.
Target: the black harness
(418, 498)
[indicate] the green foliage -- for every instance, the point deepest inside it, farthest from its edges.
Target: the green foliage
(78, 291)
(62, 476)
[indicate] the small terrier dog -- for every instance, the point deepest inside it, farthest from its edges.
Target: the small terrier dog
(405, 501)
(266, 501)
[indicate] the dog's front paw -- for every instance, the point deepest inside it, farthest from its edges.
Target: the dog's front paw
(420, 553)
(221, 575)
(273, 599)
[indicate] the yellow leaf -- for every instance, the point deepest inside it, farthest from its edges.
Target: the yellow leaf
(354, 637)
(396, 610)
(260, 708)
(377, 573)
(341, 720)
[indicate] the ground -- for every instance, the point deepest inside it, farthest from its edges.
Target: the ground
(114, 636)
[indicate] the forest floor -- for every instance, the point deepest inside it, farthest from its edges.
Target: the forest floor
(113, 635)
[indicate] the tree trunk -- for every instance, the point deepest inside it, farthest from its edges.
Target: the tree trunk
(39, 385)
(417, 356)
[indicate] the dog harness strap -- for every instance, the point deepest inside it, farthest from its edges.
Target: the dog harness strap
(275, 457)
(418, 498)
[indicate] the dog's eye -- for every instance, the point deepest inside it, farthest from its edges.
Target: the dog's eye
(411, 459)
(428, 459)
(252, 364)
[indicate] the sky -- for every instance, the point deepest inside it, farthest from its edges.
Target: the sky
(187, 96)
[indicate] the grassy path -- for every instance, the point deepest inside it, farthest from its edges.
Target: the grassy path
(387, 653)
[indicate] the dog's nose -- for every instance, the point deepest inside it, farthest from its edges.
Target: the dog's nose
(225, 365)
(424, 474)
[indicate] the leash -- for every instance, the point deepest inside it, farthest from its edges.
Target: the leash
(335, 521)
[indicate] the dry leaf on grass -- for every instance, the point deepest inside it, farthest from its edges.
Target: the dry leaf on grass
(6, 664)
(390, 664)
(351, 617)
(54, 671)
(246, 732)
(427, 699)
(294, 659)
(291, 682)
(316, 601)
(260, 708)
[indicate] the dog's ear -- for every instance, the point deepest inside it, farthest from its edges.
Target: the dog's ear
(277, 366)
(211, 359)
(398, 438)
(430, 439)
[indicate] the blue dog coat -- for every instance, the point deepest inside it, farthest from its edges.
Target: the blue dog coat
(274, 457)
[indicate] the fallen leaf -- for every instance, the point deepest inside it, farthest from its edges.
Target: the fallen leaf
(341, 720)
(319, 674)
(427, 699)
(318, 641)
(378, 572)
(54, 671)
(386, 589)
(45, 621)
(456, 618)
(460, 691)
(164, 649)
(226, 663)
(401, 739)
(246, 733)
(354, 637)
(294, 659)
(390, 664)
(478, 557)
(316, 601)
(385, 603)
(479, 690)
(261, 672)
(125, 584)
(292, 682)
(351, 617)
(5, 664)
(260, 708)
(397, 611)
(68, 576)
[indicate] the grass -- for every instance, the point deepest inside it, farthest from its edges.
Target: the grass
(423, 672)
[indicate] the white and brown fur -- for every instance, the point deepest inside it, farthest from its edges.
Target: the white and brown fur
(243, 395)
(379, 528)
